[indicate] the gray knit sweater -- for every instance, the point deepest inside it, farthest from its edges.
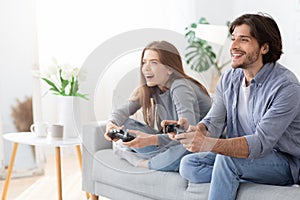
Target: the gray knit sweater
(184, 99)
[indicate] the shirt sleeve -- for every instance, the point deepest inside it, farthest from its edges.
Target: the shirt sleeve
(275, 122)
(215, 120)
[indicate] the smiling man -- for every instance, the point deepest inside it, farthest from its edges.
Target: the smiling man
(258, 102)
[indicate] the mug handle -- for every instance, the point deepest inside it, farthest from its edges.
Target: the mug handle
(47, 129)
(32, 127)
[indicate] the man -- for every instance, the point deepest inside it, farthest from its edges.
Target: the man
(258, 103)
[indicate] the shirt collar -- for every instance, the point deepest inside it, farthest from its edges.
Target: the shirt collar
(263, 73)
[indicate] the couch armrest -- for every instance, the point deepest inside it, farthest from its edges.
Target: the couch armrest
(92, 141)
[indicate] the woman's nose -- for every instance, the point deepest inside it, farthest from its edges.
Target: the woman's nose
(146, 66)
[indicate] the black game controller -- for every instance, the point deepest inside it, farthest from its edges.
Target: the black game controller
(120, 134)
(174, 128)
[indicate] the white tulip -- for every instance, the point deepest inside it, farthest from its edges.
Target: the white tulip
(67, 75)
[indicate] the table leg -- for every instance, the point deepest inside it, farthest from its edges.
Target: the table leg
(9, 170)
(58, 172)
(78, 150)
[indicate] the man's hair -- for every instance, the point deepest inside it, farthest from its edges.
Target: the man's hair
(265, 30)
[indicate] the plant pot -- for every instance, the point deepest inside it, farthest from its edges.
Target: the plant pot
(68, 107)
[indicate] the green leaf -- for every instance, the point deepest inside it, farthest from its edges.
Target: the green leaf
(82, 96)
(203, 20)
(193, 25)
(199, 55)
(54, 88)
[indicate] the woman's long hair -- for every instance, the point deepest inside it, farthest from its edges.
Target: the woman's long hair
(170, 57)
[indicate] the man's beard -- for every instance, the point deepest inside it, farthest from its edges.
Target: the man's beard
(250, 59)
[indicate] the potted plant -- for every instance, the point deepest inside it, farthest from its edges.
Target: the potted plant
(64, 82)
(200, 54)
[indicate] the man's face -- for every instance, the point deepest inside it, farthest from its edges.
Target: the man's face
(244, 50)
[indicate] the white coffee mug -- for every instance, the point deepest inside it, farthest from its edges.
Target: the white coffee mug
(39, 128)
(55, 131)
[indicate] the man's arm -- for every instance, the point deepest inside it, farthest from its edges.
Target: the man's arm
(199, 141)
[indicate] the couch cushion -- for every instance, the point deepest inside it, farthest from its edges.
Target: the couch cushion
(250, 191)
(111, 170)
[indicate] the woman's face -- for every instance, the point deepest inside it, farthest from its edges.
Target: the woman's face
(155, 73)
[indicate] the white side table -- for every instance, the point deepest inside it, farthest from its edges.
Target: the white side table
(31, 139)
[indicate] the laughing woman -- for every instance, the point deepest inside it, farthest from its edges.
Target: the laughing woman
(165, 92)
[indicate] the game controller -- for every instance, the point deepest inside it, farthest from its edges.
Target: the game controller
(173, 128)
(120, 134)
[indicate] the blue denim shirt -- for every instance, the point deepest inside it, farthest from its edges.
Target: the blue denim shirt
(273, 112)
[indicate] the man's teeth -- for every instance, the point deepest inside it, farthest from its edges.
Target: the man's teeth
(236, 54)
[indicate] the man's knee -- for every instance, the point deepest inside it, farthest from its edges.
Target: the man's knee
(224, 162)
(186, 166)
(195, 168)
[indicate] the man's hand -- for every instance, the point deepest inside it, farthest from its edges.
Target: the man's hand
(195, 140)
(199, 141)
(142, 139)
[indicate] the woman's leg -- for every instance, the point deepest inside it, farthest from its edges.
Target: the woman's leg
(169, 159)
(197, 167)
(147, 151)
(228, 172)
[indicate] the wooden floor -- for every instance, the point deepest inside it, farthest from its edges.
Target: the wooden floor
(45, 186)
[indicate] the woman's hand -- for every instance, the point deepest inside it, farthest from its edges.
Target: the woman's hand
(109, 127)
(182, 122)
(142, 139)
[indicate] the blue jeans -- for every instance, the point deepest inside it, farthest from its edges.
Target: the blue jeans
(161, 158)
(228, 172)
(197, 167)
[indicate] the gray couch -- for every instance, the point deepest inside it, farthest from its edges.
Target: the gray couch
(106, 175)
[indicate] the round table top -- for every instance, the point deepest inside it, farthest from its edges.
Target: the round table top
(31, 139)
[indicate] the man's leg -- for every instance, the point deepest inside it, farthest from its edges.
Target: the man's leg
(272, 169)
(197, 167)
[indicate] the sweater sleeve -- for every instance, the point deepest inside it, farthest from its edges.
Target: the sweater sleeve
(120, 115)
(185, 98)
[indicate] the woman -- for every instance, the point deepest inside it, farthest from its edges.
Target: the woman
(165, 92)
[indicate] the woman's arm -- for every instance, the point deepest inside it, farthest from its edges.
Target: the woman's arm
(120, 115)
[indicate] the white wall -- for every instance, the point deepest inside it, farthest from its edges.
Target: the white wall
(287, 16)
(79, 27)
(18, 55)
(71, 30)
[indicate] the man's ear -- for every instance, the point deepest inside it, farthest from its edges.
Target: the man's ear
(265, 48)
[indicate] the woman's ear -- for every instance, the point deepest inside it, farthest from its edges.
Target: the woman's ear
(170, 71)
